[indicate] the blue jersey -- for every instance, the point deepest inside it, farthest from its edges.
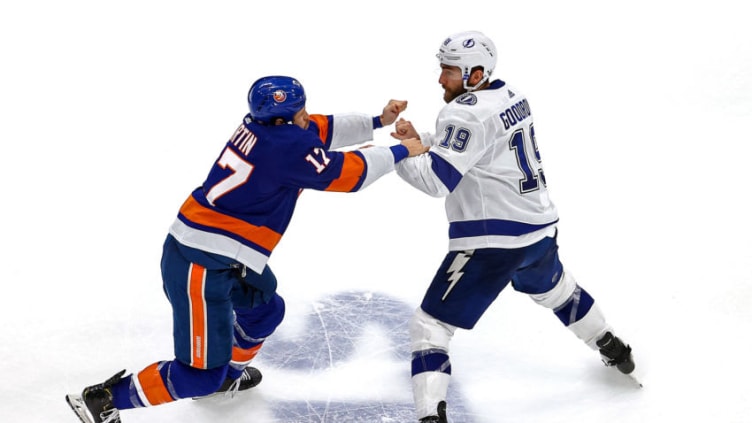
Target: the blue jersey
(246, 202)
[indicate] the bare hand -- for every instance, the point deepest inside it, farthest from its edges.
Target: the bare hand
(403, 130)
(392, 111)
(414, 147)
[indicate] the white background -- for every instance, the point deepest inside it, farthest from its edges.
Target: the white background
(112, 112)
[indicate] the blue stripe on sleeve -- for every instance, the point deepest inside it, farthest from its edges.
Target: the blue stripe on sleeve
(365, 172)
(448, 175)
(328, 142)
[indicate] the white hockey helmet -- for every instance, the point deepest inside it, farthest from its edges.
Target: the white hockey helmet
(467, 50)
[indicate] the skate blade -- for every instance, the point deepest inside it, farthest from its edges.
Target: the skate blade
(635, 380)
(217, 396)
(76, 403)
(214, 395)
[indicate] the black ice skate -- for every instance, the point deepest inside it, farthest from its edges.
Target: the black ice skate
(250, 377)
(440, 418)
(615, 353)
(94, 405)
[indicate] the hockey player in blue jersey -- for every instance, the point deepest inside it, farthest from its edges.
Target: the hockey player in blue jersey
(214, 262)
(502, 224)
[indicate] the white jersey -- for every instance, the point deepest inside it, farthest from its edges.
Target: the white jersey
(484, 159)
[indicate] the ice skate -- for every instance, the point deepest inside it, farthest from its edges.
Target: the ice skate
(94, 405)
(440, 417)
(615, 353)
(250, 377)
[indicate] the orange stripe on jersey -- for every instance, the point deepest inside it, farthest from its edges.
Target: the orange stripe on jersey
(242, 355)
(352, 169)
(260, 235)
(153, 386)
(196, 281)
(323, 124)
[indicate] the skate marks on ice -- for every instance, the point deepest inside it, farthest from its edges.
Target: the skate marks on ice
(349, 363)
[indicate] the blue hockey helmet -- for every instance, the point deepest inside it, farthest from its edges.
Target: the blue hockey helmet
(273, 97)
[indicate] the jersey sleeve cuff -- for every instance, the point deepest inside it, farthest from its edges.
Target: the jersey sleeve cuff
(399, 152)
(377, 122)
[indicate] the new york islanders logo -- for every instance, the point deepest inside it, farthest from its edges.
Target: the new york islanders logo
(279, 96)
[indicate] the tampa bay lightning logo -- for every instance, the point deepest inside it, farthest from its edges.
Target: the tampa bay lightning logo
(469, 43)
(468, 99)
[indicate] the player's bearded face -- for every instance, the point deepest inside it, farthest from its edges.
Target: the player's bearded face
(451, 80)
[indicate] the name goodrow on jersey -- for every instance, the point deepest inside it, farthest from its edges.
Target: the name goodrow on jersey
(517, 113)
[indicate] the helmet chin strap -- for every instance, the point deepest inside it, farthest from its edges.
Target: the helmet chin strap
(466, 78)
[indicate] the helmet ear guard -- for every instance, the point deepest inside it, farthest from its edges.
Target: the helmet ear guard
(468, 50)
(273, 97)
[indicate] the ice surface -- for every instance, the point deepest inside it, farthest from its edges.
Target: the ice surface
(350, 333)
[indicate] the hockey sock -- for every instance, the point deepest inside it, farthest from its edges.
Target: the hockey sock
(150, 386)
(434, 360)
(575, 307)
(241, 357)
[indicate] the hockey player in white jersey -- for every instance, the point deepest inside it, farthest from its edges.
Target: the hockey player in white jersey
(502, 225)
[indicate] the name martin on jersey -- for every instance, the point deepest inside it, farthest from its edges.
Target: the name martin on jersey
(243, 139)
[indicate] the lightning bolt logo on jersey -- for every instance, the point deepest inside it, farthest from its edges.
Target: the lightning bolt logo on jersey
(455, 270)
(246, 202)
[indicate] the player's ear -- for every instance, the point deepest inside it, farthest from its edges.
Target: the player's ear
(475, 76)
